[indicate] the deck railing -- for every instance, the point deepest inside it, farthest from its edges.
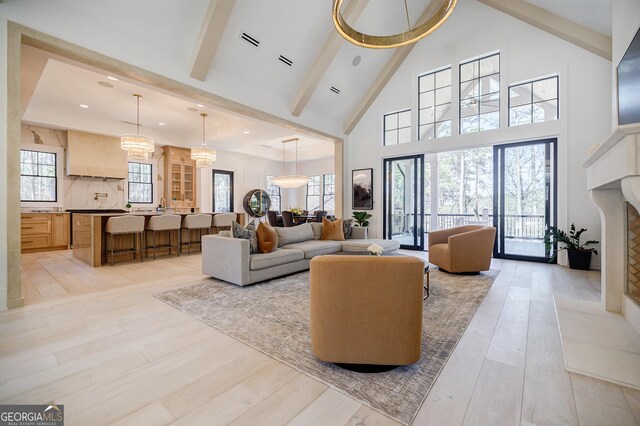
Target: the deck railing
(518, 227)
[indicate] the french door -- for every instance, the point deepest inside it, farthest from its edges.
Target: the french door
(404, 201)
(222, 191)
(525, 204)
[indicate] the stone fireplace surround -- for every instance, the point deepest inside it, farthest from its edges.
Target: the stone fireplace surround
(602, 339)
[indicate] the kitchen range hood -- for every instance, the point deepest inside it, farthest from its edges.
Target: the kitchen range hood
(95, 156)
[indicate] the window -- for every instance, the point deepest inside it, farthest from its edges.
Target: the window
(533, 102)
(434, 105)
(38, 177)
(313, 193)
(329, 192)
(397, 127)
(140, 183)
(274, 194)
(480, 94)
(222, 191)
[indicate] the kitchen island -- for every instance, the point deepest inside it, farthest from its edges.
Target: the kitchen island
(89, 236)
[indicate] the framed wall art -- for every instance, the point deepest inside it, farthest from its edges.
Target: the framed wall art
(362, 188)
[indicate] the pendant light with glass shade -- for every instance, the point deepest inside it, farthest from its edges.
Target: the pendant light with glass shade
(203, 154)
(290, 181)
(138, 146)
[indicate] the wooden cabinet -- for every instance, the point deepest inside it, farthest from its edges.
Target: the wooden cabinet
(59, 230)
(44, 231)
(179, 177)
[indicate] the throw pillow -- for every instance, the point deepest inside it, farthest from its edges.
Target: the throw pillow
(332, 230)
(248, 233)
(346, 228)
(267, 238)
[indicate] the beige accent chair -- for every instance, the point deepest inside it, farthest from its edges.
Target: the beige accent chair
(366, 309)
(463, 249)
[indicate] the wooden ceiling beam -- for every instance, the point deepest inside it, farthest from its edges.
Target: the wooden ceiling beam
(211, 32)
(325, 57)
(579, 35)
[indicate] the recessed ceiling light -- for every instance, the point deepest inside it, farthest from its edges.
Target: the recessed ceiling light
(200, 106)
(161, 124)
(246, 132)
(84, 106)
(192, 109)
(112, 78)
(356, 60)
(105, 84)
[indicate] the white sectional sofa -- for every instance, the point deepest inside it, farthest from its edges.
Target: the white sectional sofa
(228, 258)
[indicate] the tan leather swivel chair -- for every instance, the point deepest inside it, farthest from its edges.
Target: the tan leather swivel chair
(463, 249)
(366, 309)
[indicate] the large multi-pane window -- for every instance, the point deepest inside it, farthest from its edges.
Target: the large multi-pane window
(397, 127)
(480, 94)
(274, 193)
(329, 192)
(434, 104)
(38, 178)
(222, 191)
(140, 183)
(313, 193)
(533, 101)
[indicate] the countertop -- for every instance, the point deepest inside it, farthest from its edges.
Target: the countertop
(141, 214)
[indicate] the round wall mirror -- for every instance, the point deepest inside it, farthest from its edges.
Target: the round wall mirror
(256, 203)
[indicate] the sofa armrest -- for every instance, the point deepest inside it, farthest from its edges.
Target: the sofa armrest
(226, 258)
(359, 232)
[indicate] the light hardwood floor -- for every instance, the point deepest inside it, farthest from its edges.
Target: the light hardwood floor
(98, 341)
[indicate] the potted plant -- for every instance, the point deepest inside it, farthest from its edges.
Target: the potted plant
(579, 254)
(361, 218)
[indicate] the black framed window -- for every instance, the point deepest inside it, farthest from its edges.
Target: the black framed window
(397, 127)
(434, 104)
(274, 193)
(140, 183)
(329, 192)
(313, 193)
(38, 176)
(480, 94)
(534, 101)
(222, 191)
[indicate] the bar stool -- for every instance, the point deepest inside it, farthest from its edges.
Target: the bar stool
(198, 222)
(166, 222)
(121, 225)
(223, 221)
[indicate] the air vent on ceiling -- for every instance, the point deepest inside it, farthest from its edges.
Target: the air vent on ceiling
(335, 90)
(285, 60)
(252, 41)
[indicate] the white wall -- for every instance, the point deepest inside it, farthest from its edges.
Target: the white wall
(3, 165)
(626, 21)
(320, 167)
(526, 52)
(249, 172)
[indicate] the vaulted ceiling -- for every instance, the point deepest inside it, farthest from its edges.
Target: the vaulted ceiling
(292, 55)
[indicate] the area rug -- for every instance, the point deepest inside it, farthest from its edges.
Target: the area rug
(273, 317)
